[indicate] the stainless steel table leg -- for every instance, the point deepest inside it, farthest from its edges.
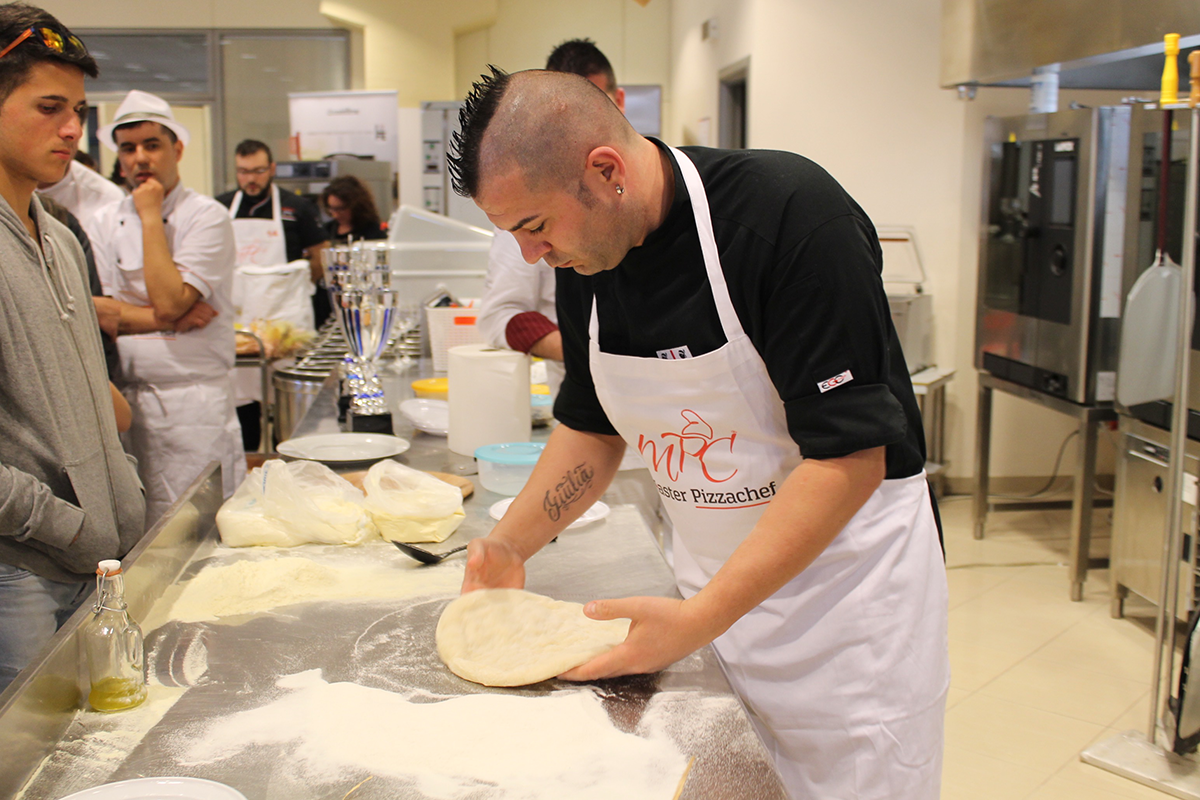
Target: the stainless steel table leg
(1084, 496)
(983, 442)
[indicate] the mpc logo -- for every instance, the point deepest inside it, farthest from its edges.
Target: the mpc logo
(691, 445)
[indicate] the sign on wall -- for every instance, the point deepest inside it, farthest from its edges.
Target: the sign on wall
(358, 123)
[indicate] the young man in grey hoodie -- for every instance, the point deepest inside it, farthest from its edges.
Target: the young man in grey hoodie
(69, 496)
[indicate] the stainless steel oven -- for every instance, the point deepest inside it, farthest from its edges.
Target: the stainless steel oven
(1051, 264)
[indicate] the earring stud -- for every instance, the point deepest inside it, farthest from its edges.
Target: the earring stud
(620, 189)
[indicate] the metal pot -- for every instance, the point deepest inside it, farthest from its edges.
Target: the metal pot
(295, 389)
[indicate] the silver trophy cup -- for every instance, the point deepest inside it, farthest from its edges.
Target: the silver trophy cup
(365, 299)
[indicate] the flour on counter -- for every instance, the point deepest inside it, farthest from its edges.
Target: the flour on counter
(484, 745)
(95, 745)
(247, 586)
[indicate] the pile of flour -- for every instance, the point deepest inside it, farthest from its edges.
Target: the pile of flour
(251, 586)
(533, 748)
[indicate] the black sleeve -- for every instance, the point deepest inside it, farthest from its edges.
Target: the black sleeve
(225, 199)
(827, 332)
(577, 406)
(308, 227)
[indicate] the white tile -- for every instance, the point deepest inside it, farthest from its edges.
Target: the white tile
(1080, 694)
(967, 775)
(955, 696)
(1104, 783)
(1028, 737)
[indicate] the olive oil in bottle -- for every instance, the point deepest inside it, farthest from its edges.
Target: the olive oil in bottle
(113, 644)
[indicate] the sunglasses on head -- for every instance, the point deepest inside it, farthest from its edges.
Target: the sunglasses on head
(58, 41)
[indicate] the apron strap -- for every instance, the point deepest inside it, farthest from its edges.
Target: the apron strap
(730, 324)
(277, 208)
(708, 246)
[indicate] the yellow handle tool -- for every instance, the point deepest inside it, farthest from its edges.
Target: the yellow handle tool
(1170, 76)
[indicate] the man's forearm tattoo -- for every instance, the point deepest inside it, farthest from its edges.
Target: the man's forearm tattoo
(568, 491)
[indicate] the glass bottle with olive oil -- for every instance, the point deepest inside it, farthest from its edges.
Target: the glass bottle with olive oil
(113, 644)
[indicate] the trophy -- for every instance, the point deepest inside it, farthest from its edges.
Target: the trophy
(364, 298)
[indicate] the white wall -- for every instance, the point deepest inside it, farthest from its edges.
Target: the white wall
(854, 86)
(635, 38)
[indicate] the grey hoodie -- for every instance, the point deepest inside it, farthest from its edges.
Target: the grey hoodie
(69, 495)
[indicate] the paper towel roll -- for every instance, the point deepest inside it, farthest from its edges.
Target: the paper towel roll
(489, 397)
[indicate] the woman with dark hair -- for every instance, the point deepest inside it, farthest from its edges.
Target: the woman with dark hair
(352, 209)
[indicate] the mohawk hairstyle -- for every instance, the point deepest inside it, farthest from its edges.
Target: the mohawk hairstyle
(473, 120)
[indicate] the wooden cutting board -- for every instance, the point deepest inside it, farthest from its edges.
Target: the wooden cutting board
(464, 484)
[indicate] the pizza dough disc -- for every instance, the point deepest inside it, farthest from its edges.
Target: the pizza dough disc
(511, 637)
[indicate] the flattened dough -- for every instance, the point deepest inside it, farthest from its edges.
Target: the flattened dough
(511, 637)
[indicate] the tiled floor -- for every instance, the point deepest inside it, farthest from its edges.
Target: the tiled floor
(1036, 677)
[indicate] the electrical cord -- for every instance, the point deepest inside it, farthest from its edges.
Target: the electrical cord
(1045, 490)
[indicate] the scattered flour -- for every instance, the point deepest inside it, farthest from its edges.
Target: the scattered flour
(95, 745)
(251, 586)
(532, 748)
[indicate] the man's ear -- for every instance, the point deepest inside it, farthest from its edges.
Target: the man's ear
(605, 168)
(178, 145)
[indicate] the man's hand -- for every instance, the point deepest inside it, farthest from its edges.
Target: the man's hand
(493, 564)
(108, 313)
(148, 198)
(199, 315)
(664, 630)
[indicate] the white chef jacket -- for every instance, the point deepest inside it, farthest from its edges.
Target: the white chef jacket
(83, 192)
(200, 236)
(513, 287)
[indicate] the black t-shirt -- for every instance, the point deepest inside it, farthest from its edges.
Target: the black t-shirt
(802, 262)
(301, 226)
(366, 231)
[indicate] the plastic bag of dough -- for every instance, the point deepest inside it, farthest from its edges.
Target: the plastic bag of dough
(411, 506)
(287, 504)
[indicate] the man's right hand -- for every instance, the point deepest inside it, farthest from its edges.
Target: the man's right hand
(493, 564)
(199, 315)
(148, 199)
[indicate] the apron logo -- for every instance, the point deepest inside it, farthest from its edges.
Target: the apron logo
(835, 381)
(693, 442)
(675, 353)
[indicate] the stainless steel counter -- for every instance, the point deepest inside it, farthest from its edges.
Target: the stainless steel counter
(203, 672)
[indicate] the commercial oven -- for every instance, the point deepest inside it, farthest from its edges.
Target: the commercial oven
(1051, 265)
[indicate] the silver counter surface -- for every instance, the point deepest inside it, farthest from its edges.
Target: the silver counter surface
(203, 673)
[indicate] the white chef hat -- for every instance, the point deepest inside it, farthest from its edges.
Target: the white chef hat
(139, 106)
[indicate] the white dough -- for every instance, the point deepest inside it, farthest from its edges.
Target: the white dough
(510, 637)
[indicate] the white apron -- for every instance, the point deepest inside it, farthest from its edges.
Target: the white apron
(265, 284)
(179, 389)
(177, 430)
(846, 667)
